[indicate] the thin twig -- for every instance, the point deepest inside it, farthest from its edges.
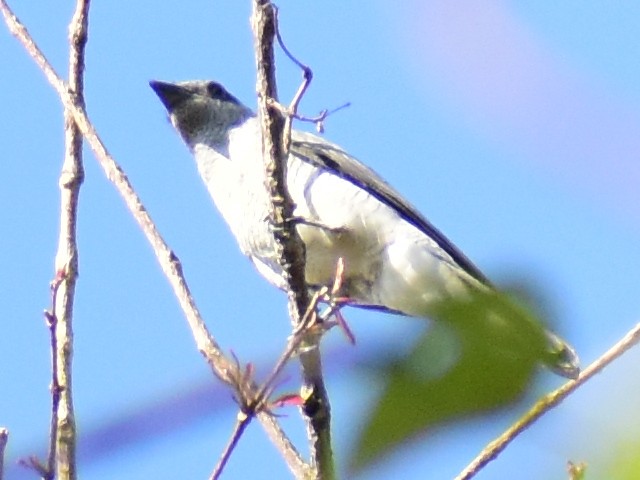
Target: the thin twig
(292, 457)
(4, 437)
(253, 402)
(220, 364)
(290, 250)
(552, 400)
(298, 337)
(47, 470)
(307, 75)
(318, 120)
(242, 421)
(168, 261)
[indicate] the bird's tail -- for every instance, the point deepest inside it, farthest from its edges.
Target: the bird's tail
(496, 326)
(562, 358)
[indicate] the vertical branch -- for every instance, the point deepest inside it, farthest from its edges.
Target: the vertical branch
(4, 437)
(169, 263)
(62, 453)
(222, 366)
(291, 252)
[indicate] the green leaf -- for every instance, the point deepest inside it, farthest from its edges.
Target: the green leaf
(624, 461)
(480, 354)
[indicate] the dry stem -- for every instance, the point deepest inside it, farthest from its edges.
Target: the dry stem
(242, 421)
(4, 437)
(222, 366)
(291, 252)
(552, 400)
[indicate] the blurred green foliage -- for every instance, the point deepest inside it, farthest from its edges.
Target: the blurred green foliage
(480, 354)
(624, 463)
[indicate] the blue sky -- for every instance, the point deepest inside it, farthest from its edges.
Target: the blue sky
(513, 126)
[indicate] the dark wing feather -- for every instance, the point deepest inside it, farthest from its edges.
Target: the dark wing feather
(325, 155)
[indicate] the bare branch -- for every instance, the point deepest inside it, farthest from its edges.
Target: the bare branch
(252, 401)
(208, 347)
(242, 421)
(298, 337)
(167, 259)
(307, 76)
(275, 141)
(61, 462)
(552, 400)
(4, 437)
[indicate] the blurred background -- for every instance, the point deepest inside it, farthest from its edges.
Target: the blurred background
(513, 126)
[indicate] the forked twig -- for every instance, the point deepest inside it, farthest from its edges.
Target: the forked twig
(61, 459)
(275, 132)
(253, 402)
(169, 263)
(312, 325)
(291, 112)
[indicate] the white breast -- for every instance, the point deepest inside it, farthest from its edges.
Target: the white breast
(388, 261)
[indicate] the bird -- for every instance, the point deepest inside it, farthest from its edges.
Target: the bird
(393, 258)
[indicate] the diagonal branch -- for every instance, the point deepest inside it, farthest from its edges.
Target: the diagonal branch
(168, 261)
(552, 400)
(222, 366)
(242, 421)
(291, 252)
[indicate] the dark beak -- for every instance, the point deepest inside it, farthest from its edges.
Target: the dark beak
(170, 94)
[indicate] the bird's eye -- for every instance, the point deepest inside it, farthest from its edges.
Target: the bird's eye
(215, 90)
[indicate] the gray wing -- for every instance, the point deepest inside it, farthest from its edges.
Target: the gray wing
(327, 156)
